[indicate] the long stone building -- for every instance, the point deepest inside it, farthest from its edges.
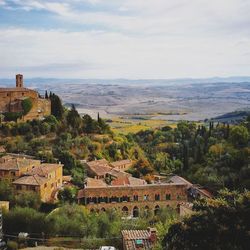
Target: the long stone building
(133, 199)
(11, 101)
(108, 187)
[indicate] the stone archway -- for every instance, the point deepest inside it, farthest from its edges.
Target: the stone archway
(135, 212)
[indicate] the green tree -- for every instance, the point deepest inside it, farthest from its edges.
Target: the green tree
(56, 106)
(28, 199)
(6, 191)
(220, 224)
(239, 136)
(24, 220)
(67, 194)
(26, 105)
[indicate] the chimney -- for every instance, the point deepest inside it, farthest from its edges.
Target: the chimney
(19, 81)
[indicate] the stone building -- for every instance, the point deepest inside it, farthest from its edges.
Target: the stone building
(132, 198)
(122, 165)
(12, 167)
(45, 180)
(11, 101)
(31, 175)
(139, 239)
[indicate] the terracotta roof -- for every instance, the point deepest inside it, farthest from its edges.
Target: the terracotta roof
(179, 179)
(11, 163)
(120, 181)
(128, 181)
(34, 180)
(91, 182)
(136, 181)
(131, 238)
(44, 169)
(99, 167)
(117, 173)
(120, 163)
(203, 191)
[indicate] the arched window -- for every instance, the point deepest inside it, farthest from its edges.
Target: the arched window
(136, 198)
(135, 211)
(157, 197)
(125, 210)
(157, 210)
(103, 209)
(168, 196)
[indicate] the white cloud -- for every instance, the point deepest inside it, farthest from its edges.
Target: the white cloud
(134, 39)
(100, 54)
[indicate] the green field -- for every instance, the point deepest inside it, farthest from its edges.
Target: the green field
(125, 125)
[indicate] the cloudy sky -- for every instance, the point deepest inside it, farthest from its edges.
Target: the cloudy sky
(124, 38)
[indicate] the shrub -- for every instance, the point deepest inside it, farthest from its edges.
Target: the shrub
(26, 105)
(12, 245)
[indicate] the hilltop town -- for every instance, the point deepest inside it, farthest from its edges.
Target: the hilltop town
(83, 180)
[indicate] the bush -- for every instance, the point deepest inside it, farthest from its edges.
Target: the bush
(12, 245)
(12, 116)
(26, 105)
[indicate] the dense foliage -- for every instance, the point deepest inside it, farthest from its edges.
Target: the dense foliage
(216, 156)
(77, 221)
(220, 224)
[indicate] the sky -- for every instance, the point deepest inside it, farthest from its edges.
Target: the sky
(133, 39)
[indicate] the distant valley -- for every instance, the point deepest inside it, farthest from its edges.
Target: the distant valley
(188, 99)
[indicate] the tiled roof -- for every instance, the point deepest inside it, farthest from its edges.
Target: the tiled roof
(136, 181)
(44, 169)
(120, 163)
(91, 182)
(117, 173)
(34, 180)
(10, 163)
(120, 181)
(130, 237)
(180, 180)
(99, 167)
(128, 181)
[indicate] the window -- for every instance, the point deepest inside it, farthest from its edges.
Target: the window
(168, 196)
(45, 185)
(157, 197)
(146, 197)
(136, 198)
(18, 187)
(178, 197)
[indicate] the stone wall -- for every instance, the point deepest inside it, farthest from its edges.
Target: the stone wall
(144, 197)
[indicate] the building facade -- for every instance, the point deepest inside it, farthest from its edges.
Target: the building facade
(45, 180)
(131, 199)
(11, 101)
(11, 168)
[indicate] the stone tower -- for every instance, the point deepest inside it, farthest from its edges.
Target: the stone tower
(19, 81)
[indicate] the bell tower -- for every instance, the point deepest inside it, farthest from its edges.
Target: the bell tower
(19, 81)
